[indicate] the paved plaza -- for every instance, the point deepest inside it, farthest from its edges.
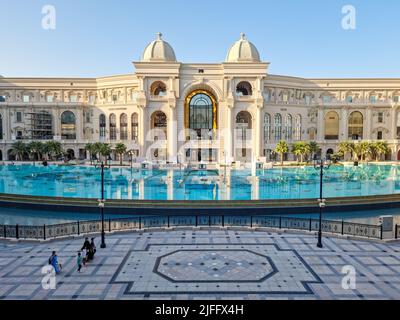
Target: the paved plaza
(204, 264)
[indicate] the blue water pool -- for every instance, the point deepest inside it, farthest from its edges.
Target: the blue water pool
(124, 183)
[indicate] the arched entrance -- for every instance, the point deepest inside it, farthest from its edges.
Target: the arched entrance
(70, 154)
(201, 125)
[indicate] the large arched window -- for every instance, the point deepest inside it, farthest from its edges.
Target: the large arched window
(201, 114)
(123, 127)
(267, 128)
(289, 128)
(68, 126)
(102, 126)
(113, 127)
(356, 125)
(135, 127)
(297, 128)
(158, 89)
(278, 127)
(244, 89)
(332, 126)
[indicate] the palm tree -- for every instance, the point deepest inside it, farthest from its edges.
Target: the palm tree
(345, 147)
(18, 150)
(312, 148)
(90, 147)
(53, 149)
(120, 149)
(97, 148)
(300, 149)
(365, 148)
(35, 149)
(105, 151)
(282, 148)
(381, 148)
(357, 151)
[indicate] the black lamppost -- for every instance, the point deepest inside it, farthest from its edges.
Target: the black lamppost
(321, 165)
(101, 206)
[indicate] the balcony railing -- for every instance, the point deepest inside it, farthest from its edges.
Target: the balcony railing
(77, 228)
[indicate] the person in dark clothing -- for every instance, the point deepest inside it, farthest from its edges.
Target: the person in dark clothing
(93, 246)
(86, 245)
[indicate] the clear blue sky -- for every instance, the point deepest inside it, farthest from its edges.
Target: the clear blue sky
(300, 38)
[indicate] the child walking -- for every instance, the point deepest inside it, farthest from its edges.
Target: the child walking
(79, 261)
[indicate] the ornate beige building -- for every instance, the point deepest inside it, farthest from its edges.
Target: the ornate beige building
(221, 112)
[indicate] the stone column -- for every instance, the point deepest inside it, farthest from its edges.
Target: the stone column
(344, 132)
(142, 131)
(393, 133)
(172, 135)
(321, 125)
(257, 132)
(228, 135)
(368, 125)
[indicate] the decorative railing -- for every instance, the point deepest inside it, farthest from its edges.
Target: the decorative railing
(163, 222)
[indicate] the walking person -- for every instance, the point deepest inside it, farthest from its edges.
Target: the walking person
(79, 261)
(53, 260)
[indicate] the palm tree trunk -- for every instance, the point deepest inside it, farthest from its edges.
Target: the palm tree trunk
(120, 159)
(281, 159)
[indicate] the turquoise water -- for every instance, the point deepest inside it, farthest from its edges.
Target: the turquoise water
(124, 183)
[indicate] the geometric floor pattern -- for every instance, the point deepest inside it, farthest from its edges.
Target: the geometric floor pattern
(205, 264)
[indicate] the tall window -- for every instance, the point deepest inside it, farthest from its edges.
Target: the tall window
(159, 124)
(124, 127)
(380, 117)
(332, 126)
(297, 128)
(113, 127)
(278, 127)
(356, 126)
(135, 127)
(102, 126)
(288, 128)
(243, 125)
(267, 128)
(68, 126)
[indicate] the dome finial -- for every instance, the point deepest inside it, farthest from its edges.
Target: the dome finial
(242, 36)
(159, 36)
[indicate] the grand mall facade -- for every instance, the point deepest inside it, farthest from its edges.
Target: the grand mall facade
(222, 112)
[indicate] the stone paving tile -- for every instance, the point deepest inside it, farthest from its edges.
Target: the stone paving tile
(132, 267)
